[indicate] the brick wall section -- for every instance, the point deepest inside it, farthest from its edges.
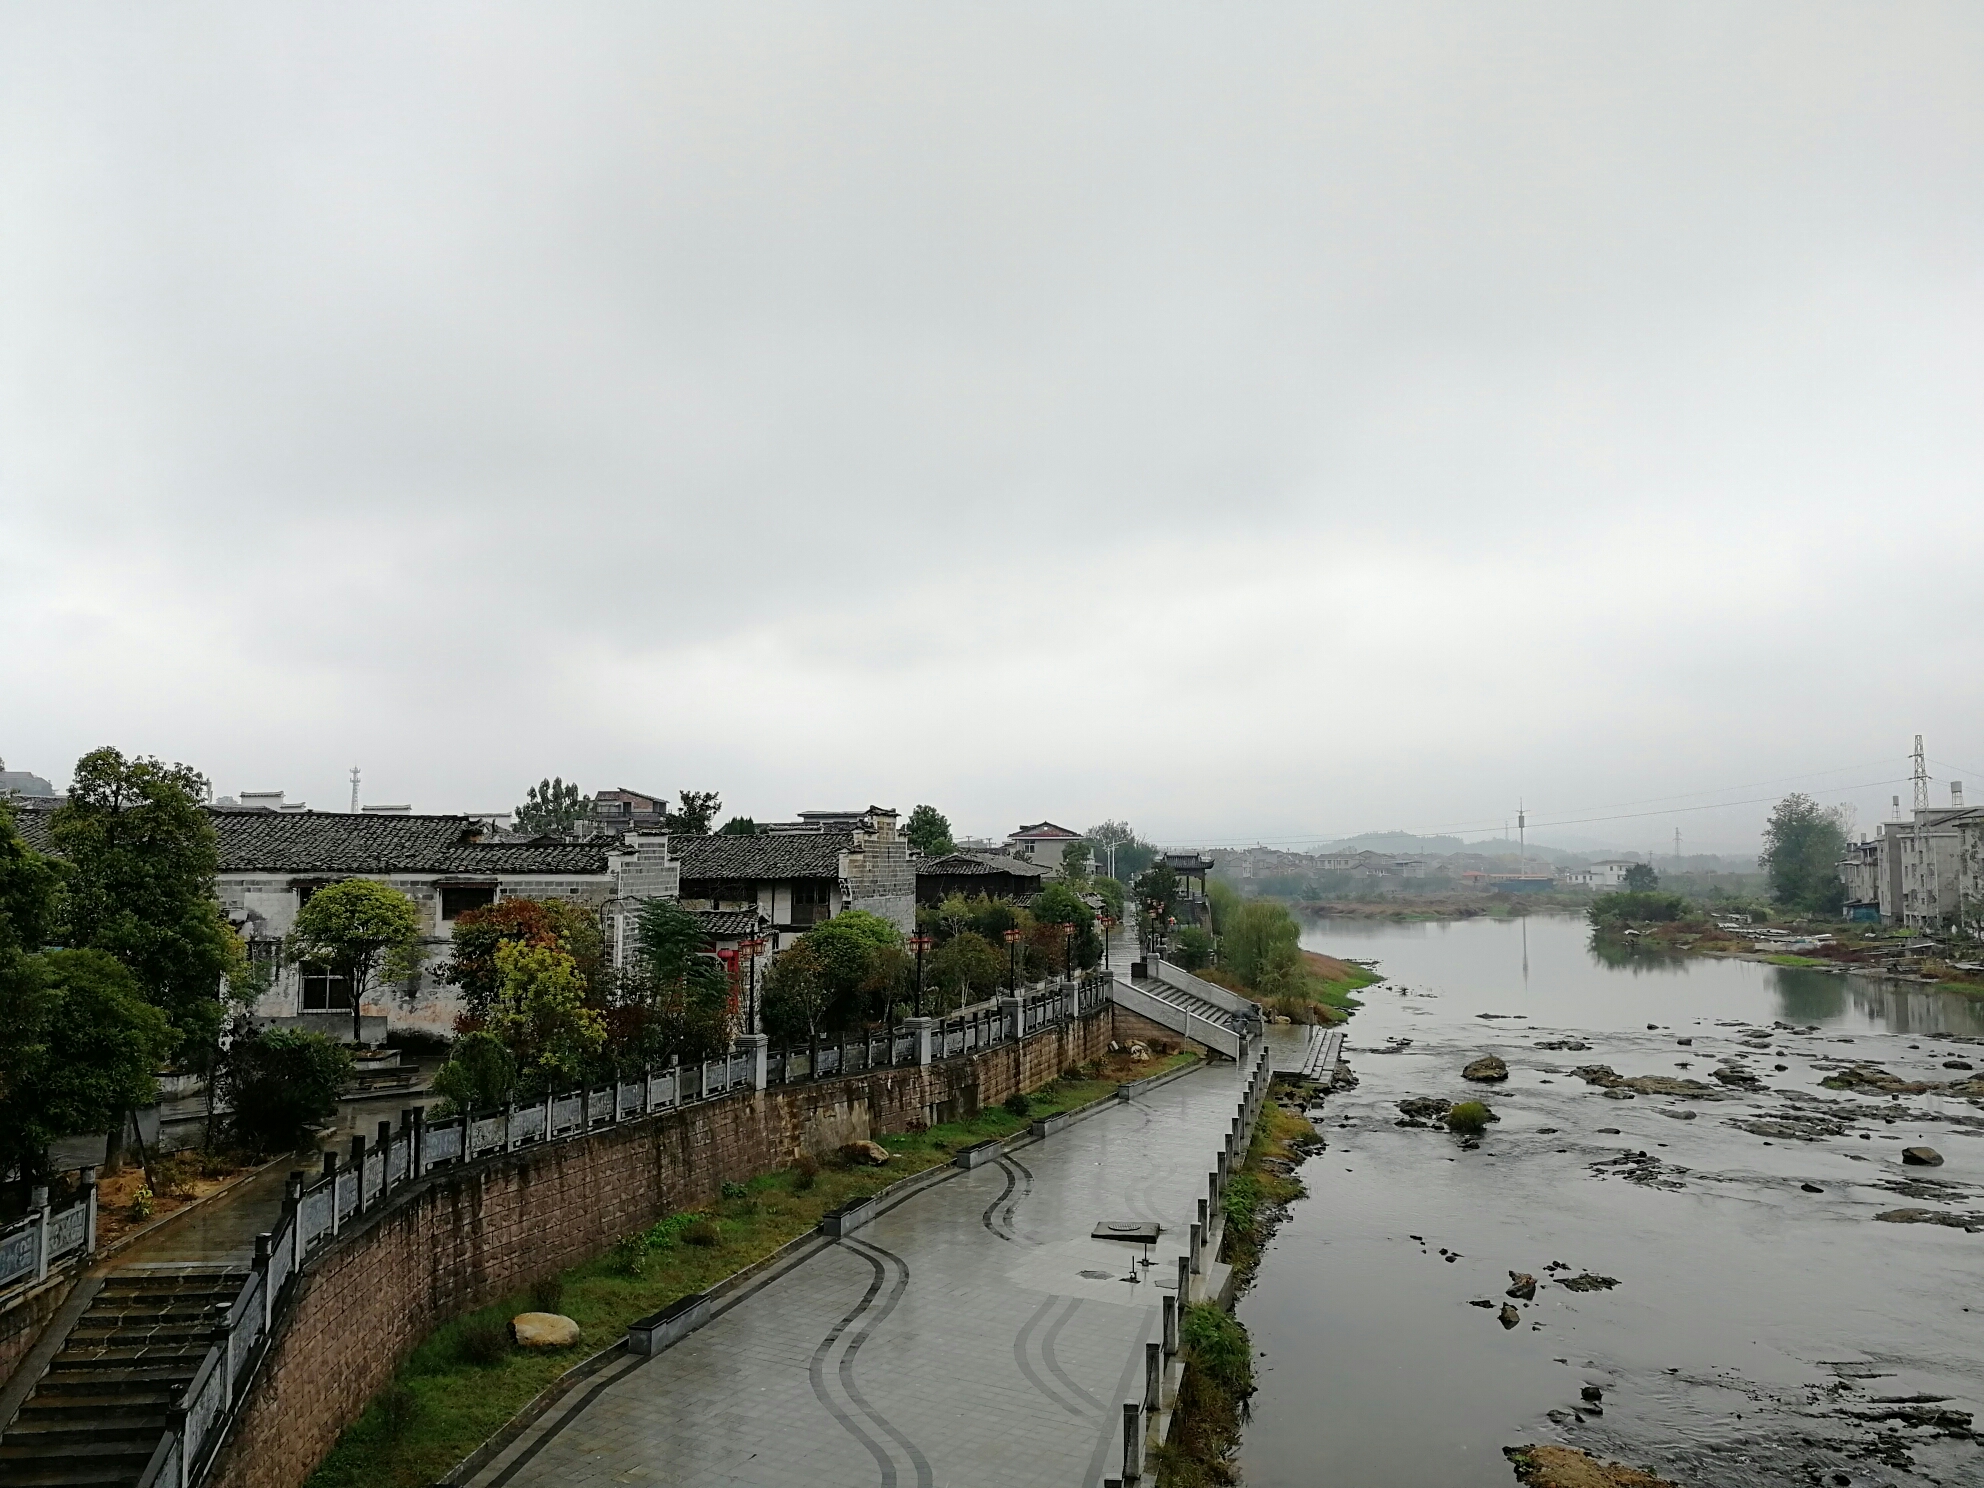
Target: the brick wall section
(27, 1314)
(469, 1235)
(1131, 1027)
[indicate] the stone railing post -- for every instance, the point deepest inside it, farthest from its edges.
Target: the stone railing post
(89, 1214)
(1015, 1009)
(1185, 1270)
(1170, 1326)
(358, 1173)
(331, 1173)
(38, 1202)
(1153, 1376)
(757, 1048)
(920, 1030)
(1197, 1243)
(1133, 1442)
(265, 1246)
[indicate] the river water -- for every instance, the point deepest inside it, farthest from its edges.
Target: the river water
(1754, 1323)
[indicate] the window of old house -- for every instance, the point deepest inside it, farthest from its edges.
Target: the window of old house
(457, 897)
(325, 991)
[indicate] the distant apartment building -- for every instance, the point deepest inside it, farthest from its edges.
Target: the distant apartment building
(1042, 843)
(1926, 872)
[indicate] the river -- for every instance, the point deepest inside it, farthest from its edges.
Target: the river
(1754, 1322)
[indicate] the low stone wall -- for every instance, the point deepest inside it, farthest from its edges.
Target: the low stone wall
(27, 1312)
(467, 1235)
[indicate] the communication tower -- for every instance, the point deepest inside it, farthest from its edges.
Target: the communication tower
(354, 790)
(1921, 777)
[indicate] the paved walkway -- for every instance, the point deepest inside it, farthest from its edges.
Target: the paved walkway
(974, 1334)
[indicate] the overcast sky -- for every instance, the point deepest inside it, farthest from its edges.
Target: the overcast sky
(1251, 421)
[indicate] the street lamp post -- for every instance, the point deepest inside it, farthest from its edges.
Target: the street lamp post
(920, 943)
(1013, 949)
(1068, 950)
(751, 948)
(1107, 924)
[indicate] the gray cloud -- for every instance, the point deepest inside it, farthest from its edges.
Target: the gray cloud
(1304, 418)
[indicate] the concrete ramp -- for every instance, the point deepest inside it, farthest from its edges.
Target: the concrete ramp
(1222, 1029)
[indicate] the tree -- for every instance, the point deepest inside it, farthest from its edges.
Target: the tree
(544, 922)
(1262, 946)
(795, 995)
(29, 886)
(1059, 904)
(1612, 910)
(929, 832)
(1156, 889)
(1802, 848)
(354, 928)
(699, 809)
(142, 858)
(281, 1082)
(968, 965)
(480, 1072)
(78, 1046)
(1640, 879)
(738, 826)
(541, 1016)
(552, 806)
(1075, 865)
(675, 999)
(1192, 948)
(853, 969)
(1132, 853)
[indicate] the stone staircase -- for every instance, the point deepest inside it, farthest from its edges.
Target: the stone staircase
(96, 1415)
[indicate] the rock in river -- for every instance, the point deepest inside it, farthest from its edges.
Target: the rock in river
(1522, 1286)
(1486, 1068)
(1547, 1466)
(1922, 1157)
(1588, 1282)
(1509, 1316)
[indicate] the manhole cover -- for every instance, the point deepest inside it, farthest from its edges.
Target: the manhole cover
(1139, 1231)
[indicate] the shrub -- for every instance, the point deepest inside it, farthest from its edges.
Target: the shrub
(1219, 1346)
(704, 1233)
(1191, 948)
(483, 1341)
(1072, 1074)
(398, 1406)
(481, 1073)
(416, 1041)
(141, 1204)
(546, 1293)
(805, 1173)
(1018, 1104)
(280, 1083)
(1470, 1118)
(734, 1191)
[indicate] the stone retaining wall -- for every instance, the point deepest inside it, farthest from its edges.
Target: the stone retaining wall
(464, 1236)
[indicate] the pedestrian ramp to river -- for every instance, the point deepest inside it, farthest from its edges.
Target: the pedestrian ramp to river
(1222, 1021)
(1320, 1055)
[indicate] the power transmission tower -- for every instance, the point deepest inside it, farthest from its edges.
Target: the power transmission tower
(1677, 849)
(354, 790)
(1921, 777)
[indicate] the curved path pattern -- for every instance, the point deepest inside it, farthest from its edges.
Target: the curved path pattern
(974, 1334)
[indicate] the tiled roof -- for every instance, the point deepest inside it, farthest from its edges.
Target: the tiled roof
(780, 855)
(729, 924)
(32, 823)
(338, 842)
(964, 865)
(1043, 831)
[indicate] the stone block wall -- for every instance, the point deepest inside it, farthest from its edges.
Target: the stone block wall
(466, 1236)
(28, 1311)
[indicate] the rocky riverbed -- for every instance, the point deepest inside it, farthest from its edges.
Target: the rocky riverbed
(1724, 1227)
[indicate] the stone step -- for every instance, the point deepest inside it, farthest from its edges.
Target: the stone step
(80, 1473)
(145, 1397)
(26, 1448)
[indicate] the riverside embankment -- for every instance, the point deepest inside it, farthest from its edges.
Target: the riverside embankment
(1766, 1326)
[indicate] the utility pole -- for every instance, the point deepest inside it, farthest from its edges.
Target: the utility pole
(1677, 849)
(1921, 777)
(1522, 833)
(354, 790)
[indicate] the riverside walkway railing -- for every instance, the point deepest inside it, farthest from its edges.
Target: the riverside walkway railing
(316, 1211)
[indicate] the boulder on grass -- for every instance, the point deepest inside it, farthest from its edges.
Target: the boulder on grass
(873, 1154)
(1139, 1053)
(543, 1330)
(1922, 1157)
(1486, 1068)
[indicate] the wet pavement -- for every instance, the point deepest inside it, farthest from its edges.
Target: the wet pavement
(974, 1334)
(1764, 1328)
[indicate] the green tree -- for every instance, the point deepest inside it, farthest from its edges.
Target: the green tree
(1640, 879)
(354, 929)
(541, 1015)
(281, 1082)
(142, 858)
(698, 809)
(795, 995)
(738, 826)
(855, 965)
(1631, 908)
(552, 806)
(480, 1072)
(966, 968)
(1131, 856)
(1111, 893)
(929, 832)
(1059, 904)
(1156, 889)
(1192, 948)
(1262, 946)
(78, 1047)
(1803, 844)
(29, 888)
(477, 933)
(674, 1001)
(1075, 862)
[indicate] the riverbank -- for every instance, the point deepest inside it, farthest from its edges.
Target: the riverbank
(1449, 907)
(1847, 949)
(466, 1381)
(1219, 1376)
(1323, 993)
